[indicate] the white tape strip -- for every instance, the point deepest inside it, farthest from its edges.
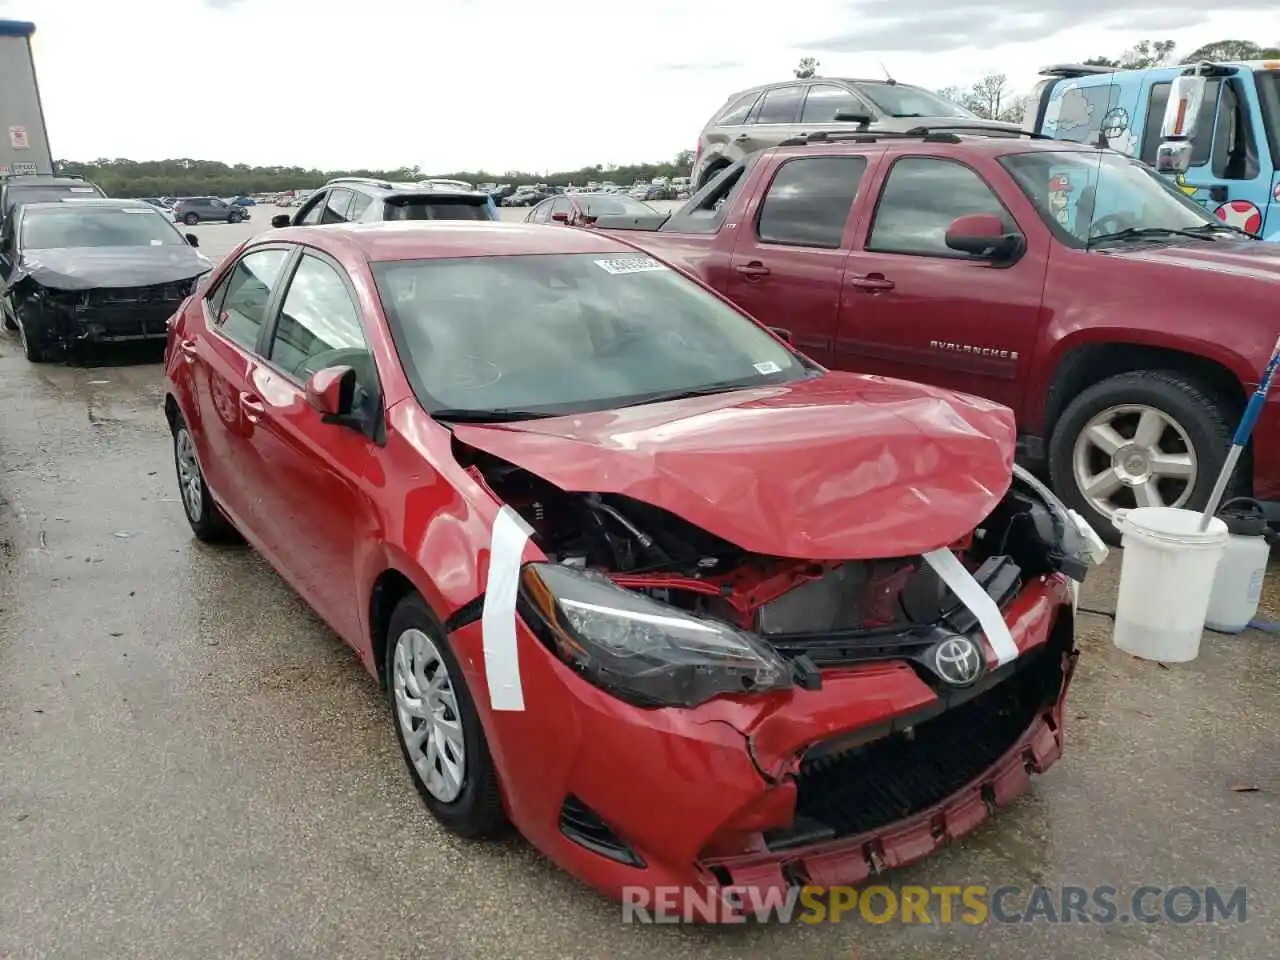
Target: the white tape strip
(947, 566)
(498, 621)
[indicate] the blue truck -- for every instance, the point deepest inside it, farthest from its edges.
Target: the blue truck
(1233, 137)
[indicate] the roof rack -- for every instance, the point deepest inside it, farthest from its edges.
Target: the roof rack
(369, 181)
(936, 133)
(1076, 70)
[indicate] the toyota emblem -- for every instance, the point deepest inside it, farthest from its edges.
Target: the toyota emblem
(958, 661)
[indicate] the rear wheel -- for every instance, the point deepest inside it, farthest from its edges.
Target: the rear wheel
(208, 523)
(191, 219)
(438, 727)
(1150, 438)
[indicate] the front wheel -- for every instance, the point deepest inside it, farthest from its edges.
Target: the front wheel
(31, 335)
(234, 218)
(438, 727)
(1150, 438)
(207, 521)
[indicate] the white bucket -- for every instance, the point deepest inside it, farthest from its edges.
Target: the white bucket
(1166, 578)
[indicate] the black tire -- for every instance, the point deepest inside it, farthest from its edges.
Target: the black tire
(1201, 413)
(7, 309)
(208, 523)
(477, 812)
(30, 336)
(191, 219)
(234, 218)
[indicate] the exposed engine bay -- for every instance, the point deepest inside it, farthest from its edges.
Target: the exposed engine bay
(827, 612)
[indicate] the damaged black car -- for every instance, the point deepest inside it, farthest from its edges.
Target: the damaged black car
(76, 273)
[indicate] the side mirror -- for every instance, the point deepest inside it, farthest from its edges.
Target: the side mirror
(192, 239)
(782, 333)
(849, 116)
(332, 393)
(1178, 126)
(560, 217)
(983, 235)
(281, 220)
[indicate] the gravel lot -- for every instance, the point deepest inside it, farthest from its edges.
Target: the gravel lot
(191, 765)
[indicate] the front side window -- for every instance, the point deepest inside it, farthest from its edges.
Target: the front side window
(243, 297)
(921, 197)
(335, 206)
(319, 327)
(824, 101)
(568, 333)
(1083, 195)
(359, 204)
(311, 215)
(53, 228)
(809, 200)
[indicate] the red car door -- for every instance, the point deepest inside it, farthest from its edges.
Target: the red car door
(916, 309)
(314, 501)
(791, 245)
(224, 354)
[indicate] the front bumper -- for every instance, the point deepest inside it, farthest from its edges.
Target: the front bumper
(779, 790)
(120, 317)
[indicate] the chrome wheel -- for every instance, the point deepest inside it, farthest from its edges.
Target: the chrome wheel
(189, 481)
(1134, 455)
(427, 715)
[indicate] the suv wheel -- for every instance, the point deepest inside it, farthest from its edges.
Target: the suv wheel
(191, 219)
(234, 217)
(1150, 438)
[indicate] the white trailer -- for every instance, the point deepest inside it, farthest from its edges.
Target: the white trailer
(24, 141)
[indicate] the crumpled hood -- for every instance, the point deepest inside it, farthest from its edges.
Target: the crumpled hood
(86, 268)
(1236, 258)
(840, 467)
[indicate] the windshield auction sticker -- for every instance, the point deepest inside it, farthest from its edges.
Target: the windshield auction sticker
(630, 265)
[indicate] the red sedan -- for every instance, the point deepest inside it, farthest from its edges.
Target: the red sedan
(683, 606)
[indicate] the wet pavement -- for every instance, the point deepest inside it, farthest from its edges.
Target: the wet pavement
(192, 765)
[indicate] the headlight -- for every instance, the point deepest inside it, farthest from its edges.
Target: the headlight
(1073, 545)
(642, 651)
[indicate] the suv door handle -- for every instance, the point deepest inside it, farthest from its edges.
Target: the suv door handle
(873, 282)
(753, 270)
(743, 136)
(189, 350)
(252, 407)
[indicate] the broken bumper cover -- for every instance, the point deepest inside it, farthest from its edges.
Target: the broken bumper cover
(780, 789)
(66, 319)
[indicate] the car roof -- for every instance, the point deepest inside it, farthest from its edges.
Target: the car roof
(44, 180)
(75, 203)
(960, 142)
(445, 239)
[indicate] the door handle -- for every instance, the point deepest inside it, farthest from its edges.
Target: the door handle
(742, 136)
(252, 407)
(873, 282)
(753, 270)
(188, 348)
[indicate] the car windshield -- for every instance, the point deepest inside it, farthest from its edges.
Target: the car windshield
(47, 193)
(900, 100)
(1084, 195)
(50, 229)
(559, 334)
(614, 207)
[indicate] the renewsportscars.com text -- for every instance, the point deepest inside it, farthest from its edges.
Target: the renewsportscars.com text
(972, 905)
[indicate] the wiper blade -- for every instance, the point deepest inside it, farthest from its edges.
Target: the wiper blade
(1206, 227)
(496, 415)
(708, 391)
(1143, 233)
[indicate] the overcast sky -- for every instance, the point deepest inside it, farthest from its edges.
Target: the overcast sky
(501, 84)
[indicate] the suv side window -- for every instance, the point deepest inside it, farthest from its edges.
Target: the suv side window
(360, 202)
(541, 213)
(824, 101)
(336, 205)
(921, 197)
(312, 211)
(239, 304)
(562, 205)
(319, 327)
(809, 200)
(781, 105)
(737, 114)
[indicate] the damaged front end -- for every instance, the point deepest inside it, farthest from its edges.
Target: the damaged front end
(874, 696)
(57, 320)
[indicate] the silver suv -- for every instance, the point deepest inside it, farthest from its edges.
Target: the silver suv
(764, 116)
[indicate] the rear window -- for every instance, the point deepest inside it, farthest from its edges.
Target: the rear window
(439, 208)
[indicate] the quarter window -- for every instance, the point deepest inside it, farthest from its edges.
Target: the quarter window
(809, 200)
(920, 199)
(824, 101)
(319, 327)
(241, 301)
(781, 105)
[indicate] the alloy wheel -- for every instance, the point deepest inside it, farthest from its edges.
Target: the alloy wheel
(1134, 455)
(190, 482)
(427, 715)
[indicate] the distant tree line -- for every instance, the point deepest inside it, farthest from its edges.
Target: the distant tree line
(195, 178)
